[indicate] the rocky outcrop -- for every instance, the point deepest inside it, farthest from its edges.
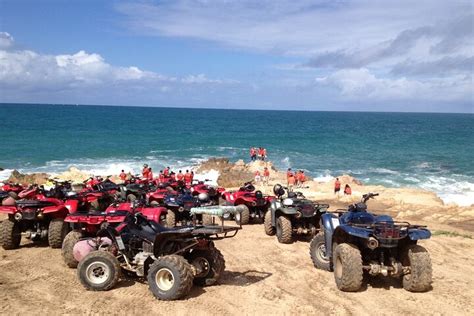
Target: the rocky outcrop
(38, 178)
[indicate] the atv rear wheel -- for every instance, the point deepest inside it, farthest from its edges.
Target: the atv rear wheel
(99, 271)
(13, 195)
(243, 218)
(170, 277)
(58, 229)
(348, 271)
(170, 218)
(131, 197)
(267, 224)
(284, 230)
(420, 276)
(209, 264)
(317, 250)
(67, 249)
(10, 234)
(207, 219)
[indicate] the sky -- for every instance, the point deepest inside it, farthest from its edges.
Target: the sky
(340, 55)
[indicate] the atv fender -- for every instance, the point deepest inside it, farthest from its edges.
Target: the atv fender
(329, 223)
(154, 213)
(417, 234)
(8, 209)
(56, 211)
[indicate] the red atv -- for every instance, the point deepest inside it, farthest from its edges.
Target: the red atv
(213, 193)
(37, 215)
(254, 203)
(89, 223)
(11, 189)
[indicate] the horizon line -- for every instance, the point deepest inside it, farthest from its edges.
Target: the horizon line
(226, 109)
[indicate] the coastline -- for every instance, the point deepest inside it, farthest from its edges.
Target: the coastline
(404, 203)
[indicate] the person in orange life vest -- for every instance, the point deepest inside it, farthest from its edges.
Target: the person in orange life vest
(266, 175)
(302, 179)
(166, 172)
(347, 190)
(161, 177)
(337, 186)
(253, 154)
(145, 171)
(123, 176)
(180, 176)
(257, 176)
(187, 178)
(150, 175)
(260, 153)
(291, 181)
(288, 174)
(264, 154)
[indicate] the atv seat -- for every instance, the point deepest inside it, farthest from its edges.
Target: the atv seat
(34, 203)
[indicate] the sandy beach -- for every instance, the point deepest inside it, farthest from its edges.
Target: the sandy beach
(263, 276)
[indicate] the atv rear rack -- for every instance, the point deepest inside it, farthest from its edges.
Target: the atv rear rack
(219, 231)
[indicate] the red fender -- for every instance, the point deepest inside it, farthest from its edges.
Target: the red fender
(8, 209)
(153, 213)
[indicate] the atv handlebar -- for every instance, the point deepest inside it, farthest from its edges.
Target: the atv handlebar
(368, 196)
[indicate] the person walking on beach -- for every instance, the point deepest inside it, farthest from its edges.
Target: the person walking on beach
(253, 154)
(123, 176)
(257, 176)
(347, 190)
(291, 182)
(337, 186)
(266, 176)
(288, 174)
(187, 178)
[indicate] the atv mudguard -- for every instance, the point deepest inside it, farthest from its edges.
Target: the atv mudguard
(56, 211)
(419, 233)
(277, 208)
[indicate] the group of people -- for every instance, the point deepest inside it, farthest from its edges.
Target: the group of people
(337, 188)
(263, 177)
(164, 175)
(259, 153)
(295, 179)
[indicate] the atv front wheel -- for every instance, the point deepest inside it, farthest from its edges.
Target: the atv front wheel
(99, 271)
(284, 230)
(267, 224)
(10, 234)
(67, 249)
(420, 276)
(170, 277)
(58, 229)
(209, 265)
(317, 250)
(348, 271)
(131, 197)
(171, 218)
(243, 218)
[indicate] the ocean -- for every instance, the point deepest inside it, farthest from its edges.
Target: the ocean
(425, 150)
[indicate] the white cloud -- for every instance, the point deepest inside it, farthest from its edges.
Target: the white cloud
(6, 40)
(361, 84)
(201, 78)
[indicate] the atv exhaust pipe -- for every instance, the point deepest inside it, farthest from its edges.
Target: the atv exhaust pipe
(372, 243)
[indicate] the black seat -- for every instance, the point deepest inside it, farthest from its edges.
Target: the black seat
(34, 203)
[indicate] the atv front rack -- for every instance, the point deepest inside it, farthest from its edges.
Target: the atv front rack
(220, 231)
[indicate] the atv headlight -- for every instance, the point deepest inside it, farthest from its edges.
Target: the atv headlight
(288, 202)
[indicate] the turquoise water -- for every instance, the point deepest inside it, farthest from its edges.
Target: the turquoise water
(432, 151)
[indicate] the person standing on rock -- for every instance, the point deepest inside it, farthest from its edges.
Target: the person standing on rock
(266, 176)
(291, 182)
(145, 171)
(264, 154)
(302, 178)
(337, 186)
(253, 154)
(150, 175)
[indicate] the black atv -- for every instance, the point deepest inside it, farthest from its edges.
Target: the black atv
(171, 259)
(293, 215)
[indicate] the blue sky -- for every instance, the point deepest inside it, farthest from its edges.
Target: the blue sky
(307, 55)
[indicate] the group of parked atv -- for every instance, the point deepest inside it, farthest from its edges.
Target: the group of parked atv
(165, 232)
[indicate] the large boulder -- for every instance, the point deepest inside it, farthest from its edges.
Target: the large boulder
(37, 178)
